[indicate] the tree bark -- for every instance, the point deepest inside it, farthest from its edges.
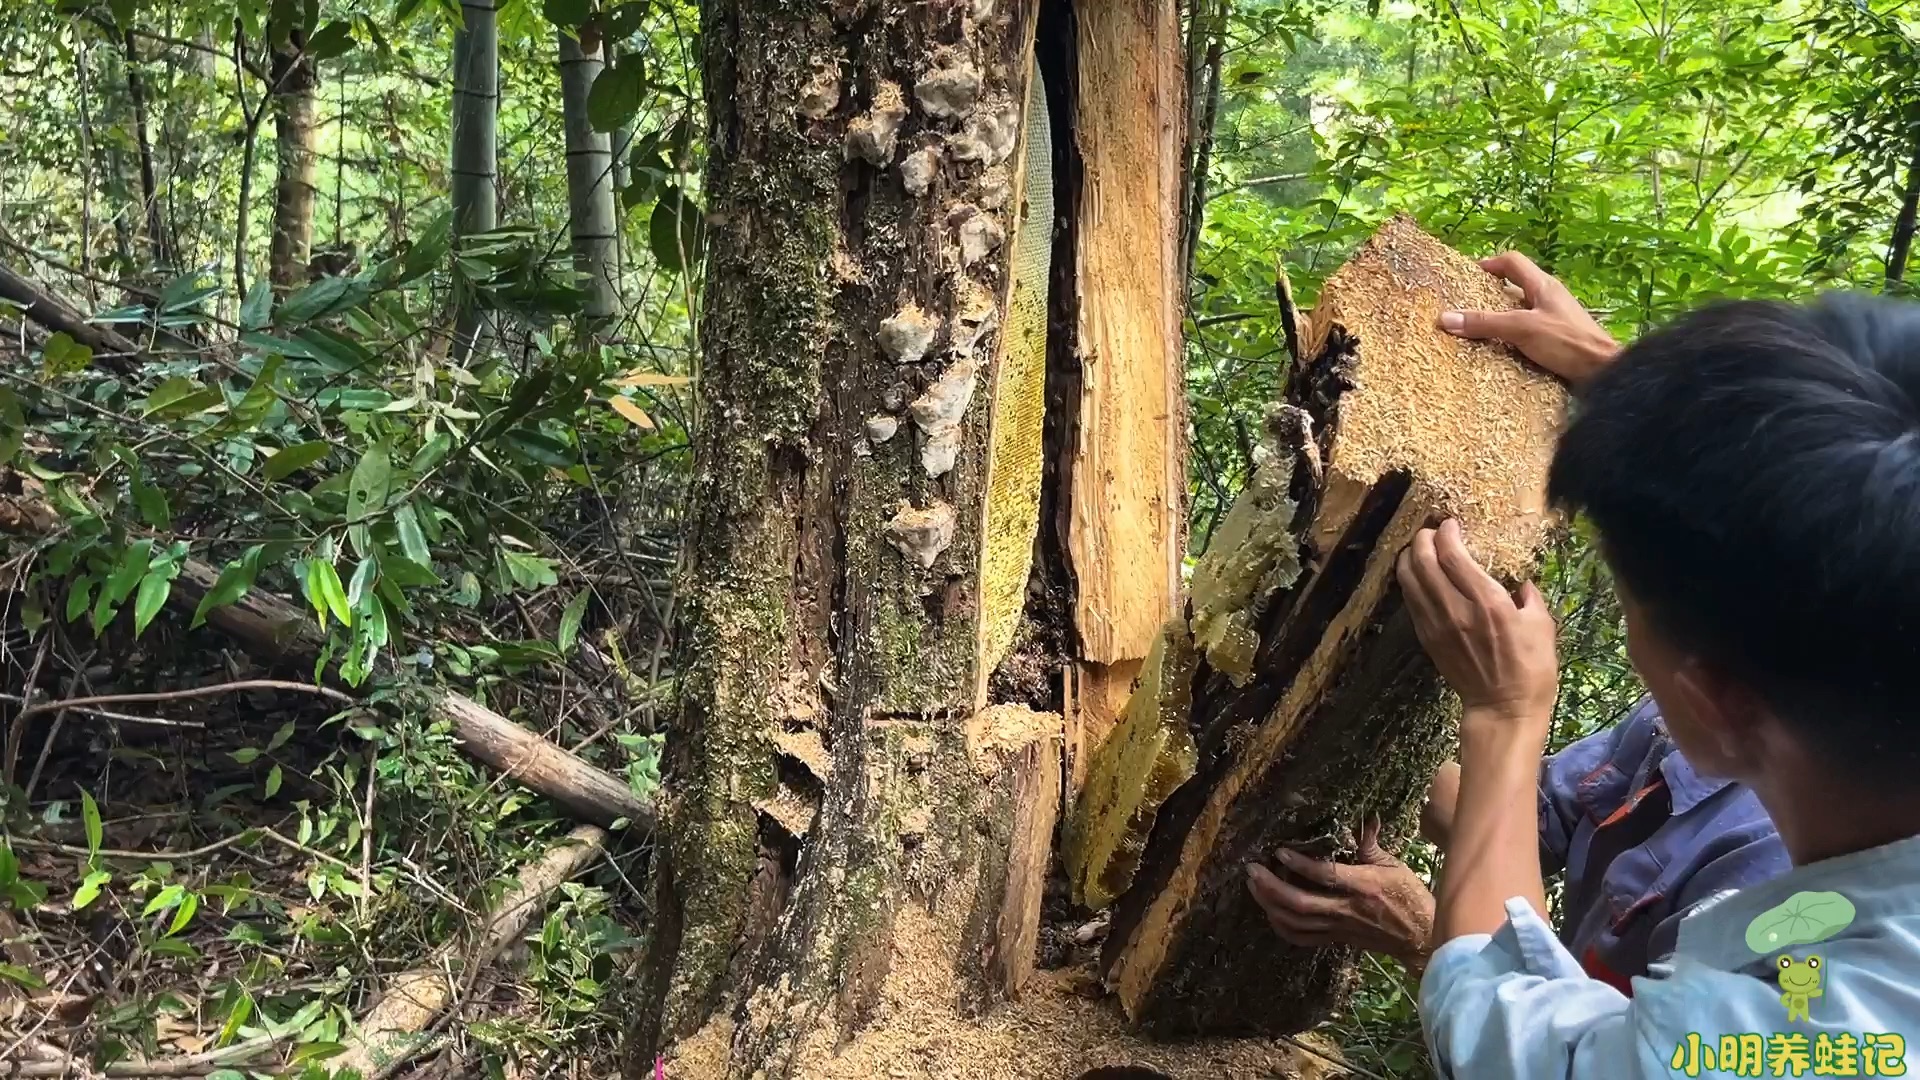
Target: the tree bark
(476, 99)
(590, 175)
(294, 81)
(1292, 700)
(865, 182)
(159, 250)
(1903, 226)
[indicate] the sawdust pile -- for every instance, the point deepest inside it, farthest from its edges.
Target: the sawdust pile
(1054, 1032)
(1471, 420)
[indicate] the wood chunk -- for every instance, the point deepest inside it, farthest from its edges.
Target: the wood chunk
(1129, 475)
(1318, 708)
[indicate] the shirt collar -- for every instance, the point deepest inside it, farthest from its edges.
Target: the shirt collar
(1686, 787)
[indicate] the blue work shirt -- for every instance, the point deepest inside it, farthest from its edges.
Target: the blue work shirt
(1643, 838)
(1516, 1004)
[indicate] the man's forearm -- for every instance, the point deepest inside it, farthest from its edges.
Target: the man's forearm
(1443, 795)
(1493, 853)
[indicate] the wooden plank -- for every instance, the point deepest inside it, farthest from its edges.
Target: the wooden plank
(1129, 481)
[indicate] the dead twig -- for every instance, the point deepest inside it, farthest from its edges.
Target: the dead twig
(193, 692)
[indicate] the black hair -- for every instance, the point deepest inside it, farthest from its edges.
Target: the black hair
(1753, 471)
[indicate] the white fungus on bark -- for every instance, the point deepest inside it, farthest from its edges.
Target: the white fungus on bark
(950, 91)
(917, 169)
(980, 236)
(821, 95)
(907, 334)
(873, 137)
(921, 535)
(988, 136)
(881, 427)
(937, 413)
(994, 189)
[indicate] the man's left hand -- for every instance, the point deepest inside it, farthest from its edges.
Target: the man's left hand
(1374, 903)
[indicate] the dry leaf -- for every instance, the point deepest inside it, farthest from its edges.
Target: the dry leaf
(625, 407)
(639, 377)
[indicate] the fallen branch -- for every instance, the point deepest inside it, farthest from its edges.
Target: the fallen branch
(187, 1065)
(111, 349)
(393, 1028)
(274, 630)
(192, 692)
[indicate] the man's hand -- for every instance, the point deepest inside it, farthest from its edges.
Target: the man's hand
(1496, 651)
(1376, 903)
(1553, 330)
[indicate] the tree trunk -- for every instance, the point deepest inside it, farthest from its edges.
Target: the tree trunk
(476, 99)
(159, 251)
(294, 82)
(590, 210)
(1292, 700)
(1903, 226)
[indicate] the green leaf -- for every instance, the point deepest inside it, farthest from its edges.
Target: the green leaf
(530, 571)
(413, 542)
(570, 620)
(179, 398)
(331, 40)
(246, 755)
(62, 356)
(281, 736)
(257, 310)
(337, 353)
(164, 899)
(402, 571)
(273, 782)
(567, 14)
(1805, 918)
(467, 590)
(154, 590)
(151, 501)
(253, 405)
(360, 586)
(430, 250)
(235, 579)
(237, 1015)
(325, 592)
(176, 947)
(17, 974)
(676, 231)
(9, 866)
(189, 904)
(89, 889)
(617, 94)
(130, 569)
(294, 458)
(539, 448)
(90, 818)
(318, 299)
(369, 486)
(432, 453)
(79, 595)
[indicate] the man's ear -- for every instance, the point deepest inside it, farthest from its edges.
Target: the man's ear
(1726, 717)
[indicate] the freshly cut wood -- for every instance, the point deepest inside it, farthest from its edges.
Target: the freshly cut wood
(273, 630)
(392, 1029)
(113, 351)
(1128, 479)
(1310, 705)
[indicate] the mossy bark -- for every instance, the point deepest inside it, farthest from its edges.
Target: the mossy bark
(829, 651)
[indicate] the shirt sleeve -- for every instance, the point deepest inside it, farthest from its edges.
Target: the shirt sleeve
(1516, 1004)
(1560, 777)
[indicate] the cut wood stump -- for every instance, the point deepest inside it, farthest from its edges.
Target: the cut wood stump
(1293, 700)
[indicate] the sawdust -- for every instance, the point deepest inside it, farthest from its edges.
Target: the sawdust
(1054, 1032)
(1474, 422)
(997, 731)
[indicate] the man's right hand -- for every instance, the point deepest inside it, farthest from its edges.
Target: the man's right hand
(1553, 330)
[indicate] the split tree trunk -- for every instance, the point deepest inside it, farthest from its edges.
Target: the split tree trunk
(476, 100)
(590, 211)
(1292, 699)
(294, 82)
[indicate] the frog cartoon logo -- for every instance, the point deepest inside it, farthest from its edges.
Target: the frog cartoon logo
(1799, 985)
(1805, 919)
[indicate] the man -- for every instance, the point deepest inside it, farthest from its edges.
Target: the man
(1753, 474)
(1642, 836)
